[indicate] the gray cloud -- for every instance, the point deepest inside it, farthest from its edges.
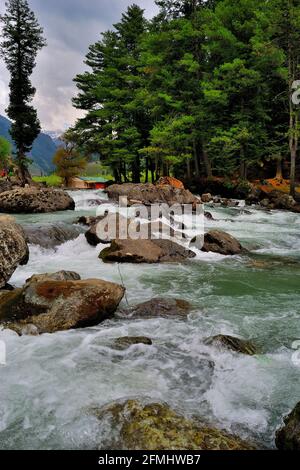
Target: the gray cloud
(70, 26)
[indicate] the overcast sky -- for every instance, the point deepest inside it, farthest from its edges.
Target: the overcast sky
(70, 26)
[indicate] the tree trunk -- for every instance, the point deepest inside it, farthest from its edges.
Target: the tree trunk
(207, 164)
(188, 168)
(152, 172)
(196, 159)
(293, 171)
(279, 169)
(23, 174)
(147, 170)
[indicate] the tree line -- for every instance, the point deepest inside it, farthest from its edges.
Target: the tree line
(203, 89)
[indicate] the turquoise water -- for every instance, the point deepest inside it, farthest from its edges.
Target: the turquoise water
(51, 382)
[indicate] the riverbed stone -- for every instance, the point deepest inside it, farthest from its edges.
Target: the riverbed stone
(51, 235)
(217, 241)
(57, 302)
(93, 235)
(13, 248)
(126, 341)
(233, 343)
(35, 200)
(288, 436)
(152, 194)
(145, 251)
(158, 307)
(155, 426)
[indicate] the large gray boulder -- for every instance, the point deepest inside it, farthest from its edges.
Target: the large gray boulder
(59, 301)
(35, 200)
(51, 235)
(13, 248)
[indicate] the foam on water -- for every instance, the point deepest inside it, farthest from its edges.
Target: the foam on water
(51, 383)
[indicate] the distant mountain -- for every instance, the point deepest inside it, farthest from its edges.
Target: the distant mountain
(55, 136)
(42, 151)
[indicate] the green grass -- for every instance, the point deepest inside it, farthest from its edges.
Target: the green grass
(51, 180)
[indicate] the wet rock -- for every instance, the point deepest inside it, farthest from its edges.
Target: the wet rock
(145, 251)
(127, 341)
(208, 215)
(13, 248)
(158, 307)
(57, 302)
(233, 343)
(220, 242)
(35, 200)
(155, 426)
(254, 196)
(207, 197)
(50, 235)
(288, 436)
(151, 194)
(88, 220)
(116, 223)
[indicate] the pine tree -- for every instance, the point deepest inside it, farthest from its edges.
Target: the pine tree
(22, 39)
(116, 125)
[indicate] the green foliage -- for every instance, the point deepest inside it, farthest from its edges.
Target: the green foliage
(22, 39)
(51, 180)
(68, 160)
(5, 151)
(203, 89)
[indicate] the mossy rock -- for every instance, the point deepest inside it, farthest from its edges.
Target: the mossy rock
(127, 341)
(155, 426)
(233, 343)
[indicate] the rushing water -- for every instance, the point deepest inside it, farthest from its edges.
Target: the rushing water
(51, 382)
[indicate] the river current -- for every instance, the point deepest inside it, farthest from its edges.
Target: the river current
(51, 383)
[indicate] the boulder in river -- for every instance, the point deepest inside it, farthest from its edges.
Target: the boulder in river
(126, 341)
(155, 426)
(13, 248)
(217, 241)
(116, 222)
(151, 194)
(59, 301)
(35, 200)
(88, 220)
(51, 235)
(288, 436)
(233, 343)
(145, 251)
(158, 307)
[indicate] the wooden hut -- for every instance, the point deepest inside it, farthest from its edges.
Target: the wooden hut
(85, 182)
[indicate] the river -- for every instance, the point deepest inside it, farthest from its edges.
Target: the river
(50, 383)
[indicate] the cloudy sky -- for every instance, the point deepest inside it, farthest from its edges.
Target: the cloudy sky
(70, 26)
